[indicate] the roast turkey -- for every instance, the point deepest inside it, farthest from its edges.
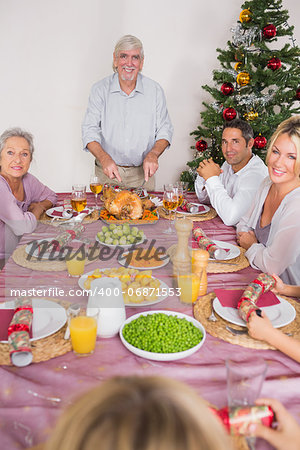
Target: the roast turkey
(123, 204)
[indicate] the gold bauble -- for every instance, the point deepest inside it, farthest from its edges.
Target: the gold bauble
(243, 78)
(238, 66)
(251, 115)
(245, 16)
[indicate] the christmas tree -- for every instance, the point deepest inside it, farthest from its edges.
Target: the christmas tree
(257, 82)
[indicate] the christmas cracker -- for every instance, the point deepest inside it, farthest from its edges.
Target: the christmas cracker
(18, 333)
(206, 244)
(247, 303)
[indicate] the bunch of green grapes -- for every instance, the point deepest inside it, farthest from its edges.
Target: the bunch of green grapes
(120, 235)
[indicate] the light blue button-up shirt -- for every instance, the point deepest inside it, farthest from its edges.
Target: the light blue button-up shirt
(126, 126)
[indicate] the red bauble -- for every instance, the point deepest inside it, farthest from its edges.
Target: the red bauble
(201, 145)
(298, 93)
(227, 88)
(229, 114)
(269, 31)
(274, 64)
(260, 142)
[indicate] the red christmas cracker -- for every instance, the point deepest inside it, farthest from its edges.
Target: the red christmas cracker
(206, 244)
(189, 207)
(247, 303)
(18, 333)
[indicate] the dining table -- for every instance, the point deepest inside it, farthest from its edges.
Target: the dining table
(33, 397)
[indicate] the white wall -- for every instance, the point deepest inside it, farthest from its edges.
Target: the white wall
(51, 52)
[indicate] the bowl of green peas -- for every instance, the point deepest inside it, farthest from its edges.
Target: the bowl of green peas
(162, 335)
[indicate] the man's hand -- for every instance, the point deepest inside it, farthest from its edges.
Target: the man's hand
(246, 238)
(150, 165)
(208, 168)
(110, 168)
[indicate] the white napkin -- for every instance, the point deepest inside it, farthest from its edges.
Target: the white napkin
(157, 201)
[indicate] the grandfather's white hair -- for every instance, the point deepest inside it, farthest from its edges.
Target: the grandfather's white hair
(127, 42)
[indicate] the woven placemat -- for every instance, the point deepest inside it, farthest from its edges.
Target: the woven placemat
(220, 266)
(203, 309)
(43, 349)
(211, 214)
(43, 265)
(93, 217)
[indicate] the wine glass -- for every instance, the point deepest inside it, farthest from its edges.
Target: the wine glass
(96, 187)
(170, 203)
(180, 192)
(78, 197)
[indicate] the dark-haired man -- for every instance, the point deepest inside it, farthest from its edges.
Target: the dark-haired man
(230, 189)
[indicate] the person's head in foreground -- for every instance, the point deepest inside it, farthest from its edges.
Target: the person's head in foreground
(134, 413)
(16, 149)
(128, 58)
(237, 143)
(283, 156)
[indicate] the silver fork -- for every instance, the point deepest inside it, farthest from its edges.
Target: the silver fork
(234, 331)
(212, 317)
(139, 190)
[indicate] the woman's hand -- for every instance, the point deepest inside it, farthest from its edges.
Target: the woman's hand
(287, 434)
(259, 327)
(246, 238)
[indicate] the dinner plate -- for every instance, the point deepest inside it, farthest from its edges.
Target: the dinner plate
(44, 255)
(163, 356)
(163, 290)
(48, 317)
(280, 315)
(50, 212)
(187, 213)
(121, 246)
(234, 251)
(122, 261)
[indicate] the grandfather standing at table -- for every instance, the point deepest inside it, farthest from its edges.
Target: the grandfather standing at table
(127, 125)
(231, 188)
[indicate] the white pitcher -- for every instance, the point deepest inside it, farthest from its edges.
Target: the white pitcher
(106, 295)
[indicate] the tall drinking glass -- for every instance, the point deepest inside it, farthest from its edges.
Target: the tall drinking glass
(244, 383)
(78, 197)
(96, 187)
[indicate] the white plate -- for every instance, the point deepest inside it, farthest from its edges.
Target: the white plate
(121, 246)
(206, 209)
(46, 254)
(234, 251)
(122, 261)
(48, 317)
(163, 356)
(163, 288)
(50, 212)
(280, 315)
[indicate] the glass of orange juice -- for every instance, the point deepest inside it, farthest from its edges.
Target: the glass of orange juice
(75, 264)
(83, 331)
(189, 284)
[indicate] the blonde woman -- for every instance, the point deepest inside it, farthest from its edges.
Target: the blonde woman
(270, 231)
(133, 413)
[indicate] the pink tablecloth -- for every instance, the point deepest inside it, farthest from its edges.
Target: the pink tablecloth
(31, 398)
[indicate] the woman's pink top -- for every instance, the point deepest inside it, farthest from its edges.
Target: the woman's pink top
(15, 219)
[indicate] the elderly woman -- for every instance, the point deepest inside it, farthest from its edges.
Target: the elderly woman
(270, 231)
(23, 197)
